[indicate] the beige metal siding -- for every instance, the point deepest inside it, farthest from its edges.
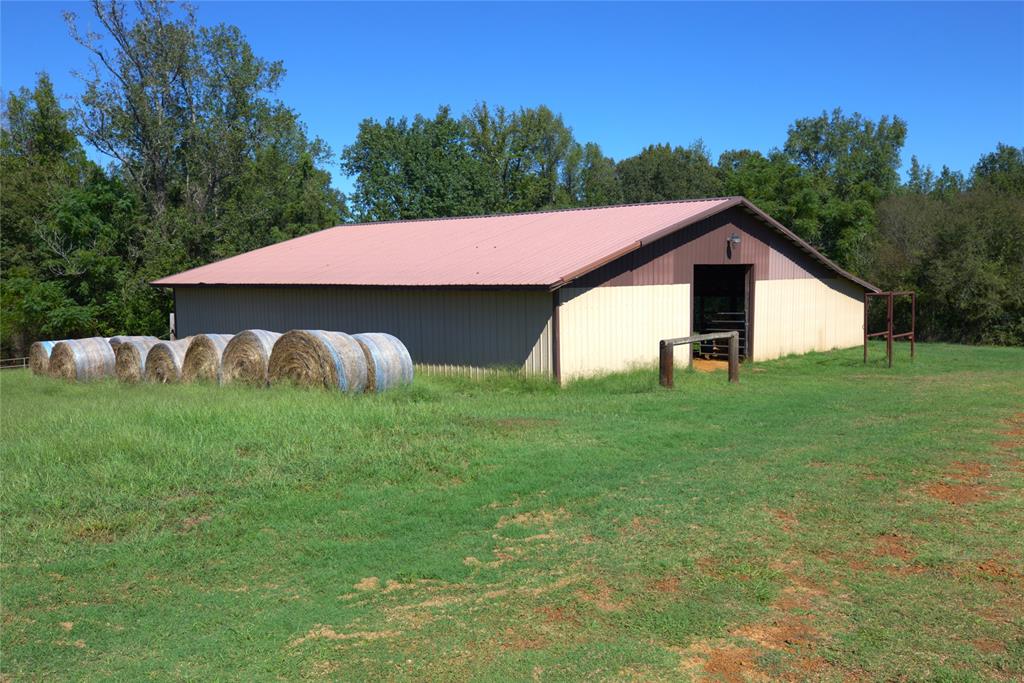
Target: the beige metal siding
(806, 314)
(608, 329)
(445, 330)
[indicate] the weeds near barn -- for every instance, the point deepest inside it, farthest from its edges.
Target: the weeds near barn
(821, 520)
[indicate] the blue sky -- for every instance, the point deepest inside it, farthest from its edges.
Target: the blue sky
(623, 75)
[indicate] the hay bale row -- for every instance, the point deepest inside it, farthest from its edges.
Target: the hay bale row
(203, 359)
(39, 356)
(164, 361)
(371, 362)
(80, 360)
(130, 359)
(246, 358)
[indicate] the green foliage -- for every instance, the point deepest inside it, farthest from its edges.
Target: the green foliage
(593, 532)
(206, 165)
(662, 172)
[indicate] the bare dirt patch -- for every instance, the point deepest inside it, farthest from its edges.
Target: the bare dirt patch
(958, 494)
(892, 545)
(785, 633)
(988, 646)
(546, 518)
(709, 365)
(368, 584)
(965, 471)
(321, 632)
(669, 584)
(787, 520)
(603, 597)
(725, 663)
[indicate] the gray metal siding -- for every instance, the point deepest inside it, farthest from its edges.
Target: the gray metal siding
(443, 329)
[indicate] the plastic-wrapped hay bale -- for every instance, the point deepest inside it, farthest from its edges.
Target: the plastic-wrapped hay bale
(319, 358)
(247, 357)
(121, 339)
(164, 361)
(82, 359)
(39, 356)
(388, 361)
(130, 358)
(203, 358)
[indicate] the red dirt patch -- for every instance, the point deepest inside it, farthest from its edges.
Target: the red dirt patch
(964, 471)
(988, 646)
(669, 584)
(787, 519)
(892, 545)
(958, 494)
(786, 633)
(603, 597)
(734, 665)
(558, 615)
(998, 570)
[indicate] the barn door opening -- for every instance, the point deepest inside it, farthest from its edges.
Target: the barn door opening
(721, 303)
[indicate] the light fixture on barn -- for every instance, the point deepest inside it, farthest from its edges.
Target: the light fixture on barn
(732, 244)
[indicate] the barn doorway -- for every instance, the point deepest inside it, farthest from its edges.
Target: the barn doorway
(721, 303)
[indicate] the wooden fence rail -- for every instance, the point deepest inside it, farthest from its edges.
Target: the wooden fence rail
(666, 369)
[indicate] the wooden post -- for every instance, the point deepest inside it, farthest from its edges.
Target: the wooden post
(734, 358)
(866, 299)
(666, 366)
(913, 322)
(888, 337)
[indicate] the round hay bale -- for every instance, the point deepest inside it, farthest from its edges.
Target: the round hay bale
(39, 356)
(246, 358)
(202, 360)
(121, 339)
(319, 358)
(82, 359)
(130, 358)
(164, 361)
(388, 362)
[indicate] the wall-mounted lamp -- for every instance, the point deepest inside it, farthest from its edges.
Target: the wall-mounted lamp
(732, 244)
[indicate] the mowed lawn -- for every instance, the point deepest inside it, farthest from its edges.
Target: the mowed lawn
(822, 520)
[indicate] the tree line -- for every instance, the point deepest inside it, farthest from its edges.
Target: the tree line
(206, 162)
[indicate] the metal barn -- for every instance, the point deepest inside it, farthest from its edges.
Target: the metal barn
(565, 293)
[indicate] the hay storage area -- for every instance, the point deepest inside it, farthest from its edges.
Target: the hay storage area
(388, 361)
(39, 356)
(81, 360)
(130, 358)
(203, 359)
(164, 361)
(246, 358)
(319, 358)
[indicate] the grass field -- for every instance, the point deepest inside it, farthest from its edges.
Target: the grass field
(822, 520)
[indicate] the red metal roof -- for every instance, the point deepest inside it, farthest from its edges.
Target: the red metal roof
(546, 248)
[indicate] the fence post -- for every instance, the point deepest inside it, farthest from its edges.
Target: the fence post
(734, 358)
(866, 299)
(888, 337)
(666, 365)
(913, 322)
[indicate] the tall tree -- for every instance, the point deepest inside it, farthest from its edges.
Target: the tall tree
(853, 162)
(1001, 171)
(662, 172)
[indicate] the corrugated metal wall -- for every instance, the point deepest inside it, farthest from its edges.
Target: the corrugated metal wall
(608, 329)
(445, 330)
(801, 315)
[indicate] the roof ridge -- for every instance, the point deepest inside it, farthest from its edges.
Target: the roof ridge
(536, 212)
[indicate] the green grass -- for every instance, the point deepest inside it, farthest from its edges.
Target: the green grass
(792, 526)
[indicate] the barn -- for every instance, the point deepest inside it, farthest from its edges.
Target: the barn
(565, 293)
